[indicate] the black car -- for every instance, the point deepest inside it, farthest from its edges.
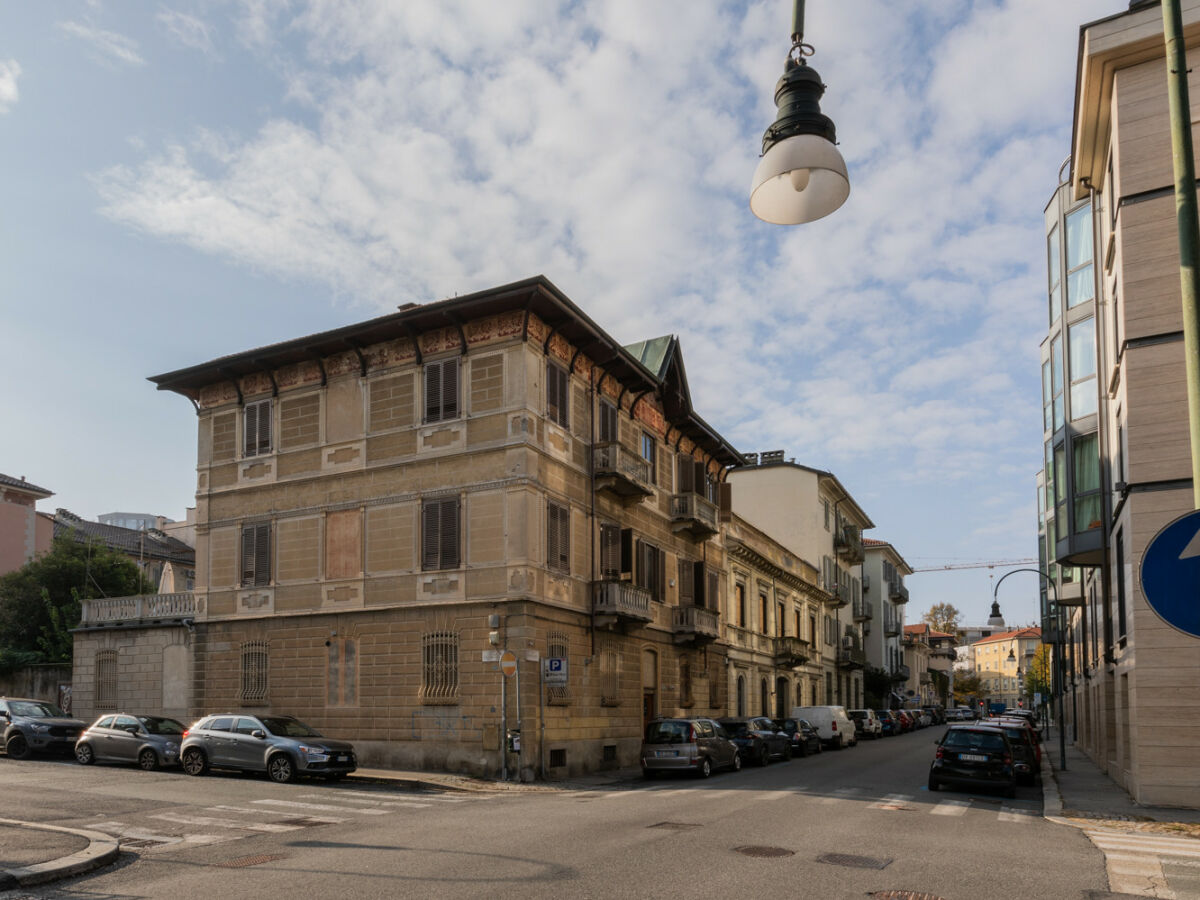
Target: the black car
(757, 738)
(974, 756)
(805, 739)
(37, 726)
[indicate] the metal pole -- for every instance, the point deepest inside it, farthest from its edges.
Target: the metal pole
(503, 726)
(518, 688)
(1185, 214)
(798, 21)
(542, 718)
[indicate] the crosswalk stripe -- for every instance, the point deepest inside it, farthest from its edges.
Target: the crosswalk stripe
(951, 808)
(390, 804)
(212, 822)
(1146, 844)
(1015, 814)
(390, 798)
(841, 794)
(775, 795)
(893, 801)
(323, 807)
(324, 820)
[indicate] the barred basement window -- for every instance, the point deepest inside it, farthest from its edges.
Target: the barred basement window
(557, 647)
(106, 679)
(439, 668)
(255, 661)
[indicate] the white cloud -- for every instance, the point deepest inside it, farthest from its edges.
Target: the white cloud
(10, 71)
(189, 31)
(111, 46)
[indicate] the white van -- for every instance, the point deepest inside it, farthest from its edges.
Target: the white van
(833, 724)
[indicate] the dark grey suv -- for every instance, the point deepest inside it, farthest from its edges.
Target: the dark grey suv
(36, 726)
(282, 746)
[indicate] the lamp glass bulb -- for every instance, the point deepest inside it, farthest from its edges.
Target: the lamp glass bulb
(799, 179)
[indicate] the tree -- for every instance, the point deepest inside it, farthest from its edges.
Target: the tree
(966, 686)
(943, 617)
(40, 602)
(1038, 679)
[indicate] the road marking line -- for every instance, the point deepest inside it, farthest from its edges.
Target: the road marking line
(951, 808)
(120, 829)
(1148, 845)
(212, 822)
(841, 794)
(893, 802)
(775, 795)
(325, 820)
(374, 803)
(292, 804)
(1015, 814)
(391, 798)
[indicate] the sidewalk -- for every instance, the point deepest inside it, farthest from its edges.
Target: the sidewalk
(1150, 851)
(33, 853)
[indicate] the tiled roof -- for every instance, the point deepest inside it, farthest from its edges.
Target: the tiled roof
(1033, 632)
(151, 544)
(9, 481)
(871, 542)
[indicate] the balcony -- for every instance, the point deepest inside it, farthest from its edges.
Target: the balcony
(898, 592)
(841, 595)
(944, 653)
(852, 657)
(694, 514)
(140, 609)
(891, 625)
(620, 603)
(790, 652)
(695, 624)
(622, 472)
(848, 543)
(926, 678)
(863, 610)
(901, 673)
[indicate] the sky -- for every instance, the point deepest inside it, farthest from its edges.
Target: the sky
(184, 180)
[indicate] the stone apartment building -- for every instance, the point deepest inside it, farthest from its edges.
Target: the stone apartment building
(383, 507)
(886, 596)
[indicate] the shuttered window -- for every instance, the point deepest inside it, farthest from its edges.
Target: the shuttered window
(651, 570)
(256, 554)
(610, 552)
(608, 433)
(441, 390)
(558, 538)
(649, 454)
(687, 590)
(557, 395)
(256, 428)
(440, 534)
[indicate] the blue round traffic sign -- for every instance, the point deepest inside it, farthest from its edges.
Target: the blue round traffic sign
(1171, 574)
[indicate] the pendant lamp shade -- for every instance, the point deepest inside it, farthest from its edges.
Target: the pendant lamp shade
(799, 179)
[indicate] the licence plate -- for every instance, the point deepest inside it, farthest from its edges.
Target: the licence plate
(972, 757)
(665, 753)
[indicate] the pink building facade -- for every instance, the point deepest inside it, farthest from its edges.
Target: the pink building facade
(24, 533)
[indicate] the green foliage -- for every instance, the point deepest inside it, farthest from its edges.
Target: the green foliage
(877, 684)
(1038, 678)
(40, 602)
(966, 686)
(941, 684)
(943, 617)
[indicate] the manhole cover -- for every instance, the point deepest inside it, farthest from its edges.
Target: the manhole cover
(245, 861)
(853, 862)
(764, 852)
(677, 826)
(903, 895)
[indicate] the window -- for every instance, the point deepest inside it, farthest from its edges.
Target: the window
(558, 387)
(439, 668)
(256, 430)
(651, 570)
(812, 631)
(649, 454)
(255, 662)
(1060, 486)
(608, 429)
(796, 622)
(441, 390)
(1119, 574)
(610, 552)
(558, 538)
(439, 534)
(256, 554)
(687, 583)
(1085, 474)
(825, 504)
(342, 681)
(739, 593)
(1056, 380)
(1054, 273)
(1047, 398)
(686, 697)
(1081, 285)
(1081, 341)
(762, 613)
(557, 648)
(106, 679)
(779, 619)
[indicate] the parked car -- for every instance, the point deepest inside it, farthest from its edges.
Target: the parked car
(150, 741)
(1027, 759)
(866, 725)
(937, 715)
(687, 745)
(834, 726)
(282, 746)
(889, 724)
(974, 756)
(36, 726)
(758, 739)
(805, 739)
(922, 717)
(1029, 716)
(907, 723)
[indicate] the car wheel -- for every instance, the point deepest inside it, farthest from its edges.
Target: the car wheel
(764, 756)
(148, 760)
(84, 754)
(280, 769)
(820, 747)
(841, 744)
(705, 769)
(194, 761)
(737, 762)
(787, 753)
(17, 747)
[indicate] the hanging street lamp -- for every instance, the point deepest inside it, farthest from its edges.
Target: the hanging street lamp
(801, 176)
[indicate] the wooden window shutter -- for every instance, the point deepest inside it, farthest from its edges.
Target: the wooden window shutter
(433, 392)
(699, 473)
(712, 598)
(627, 552)
(687, 593)
(441, 390)
(450, 388)
(610, 552)
(431, 534)
(725, 501)
(448, 532)
(558, 537)
(686, 472)
(608, 422)
(248, 554)
(552, 551)
(661, 563)
(640, 577)
(262, 554)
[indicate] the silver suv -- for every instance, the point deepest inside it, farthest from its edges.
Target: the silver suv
(282, 746)
(36, 726)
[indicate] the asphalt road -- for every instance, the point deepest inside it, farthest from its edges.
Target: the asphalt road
(841, 824)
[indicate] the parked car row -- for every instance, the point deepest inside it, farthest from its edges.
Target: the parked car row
(998, 752)
(281, 746)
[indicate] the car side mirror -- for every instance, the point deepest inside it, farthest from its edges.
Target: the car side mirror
(259, 733)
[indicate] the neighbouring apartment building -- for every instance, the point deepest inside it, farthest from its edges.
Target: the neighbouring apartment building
(885, 596)
(1002, 661)
(1116, 448)
(23, 532)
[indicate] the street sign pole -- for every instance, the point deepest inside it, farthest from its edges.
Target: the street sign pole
(503, 727)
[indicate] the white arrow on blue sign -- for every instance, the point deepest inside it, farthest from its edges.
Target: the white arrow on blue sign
(1171, 574)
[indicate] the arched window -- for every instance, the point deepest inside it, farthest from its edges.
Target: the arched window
(741, 695)
(781, 698)
(763, 708)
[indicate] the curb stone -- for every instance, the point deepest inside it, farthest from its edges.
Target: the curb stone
(101, 850)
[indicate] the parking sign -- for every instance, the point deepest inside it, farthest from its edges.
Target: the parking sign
(554, 671)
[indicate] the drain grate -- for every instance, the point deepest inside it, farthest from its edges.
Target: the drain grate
(140, 843)
(245, 861)
(903, 895)
(853, 862)
(677, 826)
(764, 852)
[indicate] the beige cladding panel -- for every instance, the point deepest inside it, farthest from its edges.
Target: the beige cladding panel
(517, 543)
(579, 544)
(343, 410)
(485, 528)
(1149, 291)
(392, 403)
(204, 440)
(299, 421)
(391, 446)
(297, 548)
(1158, 447)
(223, 557)
(224, 436)
(343, 544)
(487, 383)
(299, 462)
(391, 538)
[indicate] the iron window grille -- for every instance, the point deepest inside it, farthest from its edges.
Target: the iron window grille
(557, 646)
(106, 680)
(255, 665)
(439, 668)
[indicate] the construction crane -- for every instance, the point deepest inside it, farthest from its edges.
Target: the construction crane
(983, 564)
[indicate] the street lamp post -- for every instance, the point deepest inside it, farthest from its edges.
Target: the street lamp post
(801, 176)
